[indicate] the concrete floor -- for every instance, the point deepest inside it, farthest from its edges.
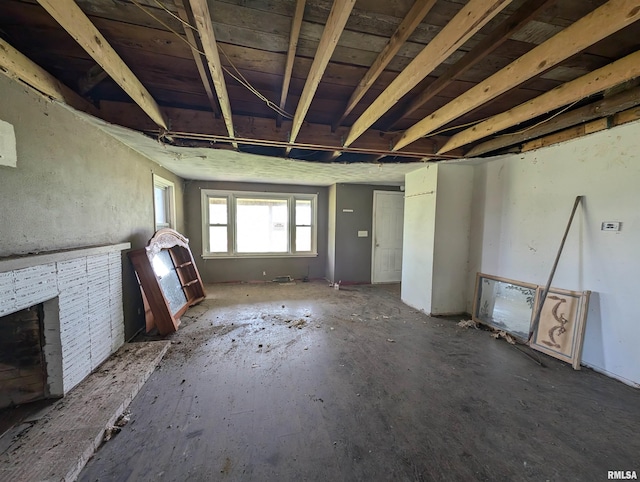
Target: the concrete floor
(302, 382)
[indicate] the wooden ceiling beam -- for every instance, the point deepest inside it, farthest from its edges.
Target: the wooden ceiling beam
(606, 77)
(597, 25)
(336, 22)
(202, 17)
(249, 127)
(486, 46)
(77, 24)
(410, 22)
(197, 57)
(296, 25)
(603, 108)
(463, 26)
(17, 66)
(597, 125)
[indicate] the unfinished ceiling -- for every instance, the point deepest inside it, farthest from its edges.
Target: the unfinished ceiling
(384, 81)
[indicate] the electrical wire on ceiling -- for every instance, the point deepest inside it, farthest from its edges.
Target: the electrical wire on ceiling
(522, 131)
(502, 135)
(441, 130)
(239, 78)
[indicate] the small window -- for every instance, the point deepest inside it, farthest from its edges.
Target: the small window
(218, 225)
(258, 224)
(163, 203)
(304, 226)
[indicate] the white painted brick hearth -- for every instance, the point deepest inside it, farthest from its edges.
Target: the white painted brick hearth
(82, 295)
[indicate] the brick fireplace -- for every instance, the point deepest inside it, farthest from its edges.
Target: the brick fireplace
(76, 297)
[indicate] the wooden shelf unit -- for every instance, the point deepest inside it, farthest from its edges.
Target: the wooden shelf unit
(163, 279)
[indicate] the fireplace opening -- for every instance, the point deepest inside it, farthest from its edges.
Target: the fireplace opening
(23, 371)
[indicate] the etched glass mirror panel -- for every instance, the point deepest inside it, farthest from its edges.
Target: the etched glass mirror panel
(504, 304)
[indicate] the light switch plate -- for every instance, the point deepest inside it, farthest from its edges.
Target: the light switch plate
(611, 226)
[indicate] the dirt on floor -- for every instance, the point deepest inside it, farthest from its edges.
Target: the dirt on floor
(304, 382)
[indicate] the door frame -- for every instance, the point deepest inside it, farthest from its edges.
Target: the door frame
(373, 230)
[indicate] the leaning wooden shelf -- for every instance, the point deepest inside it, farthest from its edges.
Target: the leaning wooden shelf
(169, 279)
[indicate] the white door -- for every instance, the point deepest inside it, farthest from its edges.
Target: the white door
(388, 221)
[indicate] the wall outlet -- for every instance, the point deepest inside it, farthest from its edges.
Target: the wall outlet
(363, 234)
(264, 273)
(611, 226)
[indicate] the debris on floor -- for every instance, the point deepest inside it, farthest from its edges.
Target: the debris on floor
(503, 334)
(123, 419)
(117, 426)
(283, 279)
(468, 324)
(391, 340)
(110, 432)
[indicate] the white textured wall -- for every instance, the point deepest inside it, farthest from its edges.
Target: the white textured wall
(419, 237)
(451, 246)
(88, 325)
(521, 204)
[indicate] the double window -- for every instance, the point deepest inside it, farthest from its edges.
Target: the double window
(238, 223)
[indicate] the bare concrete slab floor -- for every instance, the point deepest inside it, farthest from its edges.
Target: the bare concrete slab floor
(55, 444)
(303, 382)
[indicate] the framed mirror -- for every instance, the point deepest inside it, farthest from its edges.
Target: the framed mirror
(168, 279)
(504, 304)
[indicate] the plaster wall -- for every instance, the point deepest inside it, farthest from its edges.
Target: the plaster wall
(521, 205)
(251, 269)
(451, 244)
(353, 213)
(419, 237)
(74, 186)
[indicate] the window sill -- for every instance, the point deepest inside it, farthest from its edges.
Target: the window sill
(259, 256)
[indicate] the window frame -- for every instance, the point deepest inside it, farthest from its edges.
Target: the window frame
(232, 230)
(170, 201)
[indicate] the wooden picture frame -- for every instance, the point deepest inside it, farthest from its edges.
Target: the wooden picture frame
(560, 332)
(504, 304)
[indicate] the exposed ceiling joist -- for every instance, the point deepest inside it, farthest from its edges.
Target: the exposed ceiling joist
(296, 24)
(603, 108)
(599, 24)
(17, 66)
(467, 22)
(606, 77)
(597, 125)
(77, 24)
(338, 16)
(259, 128)
(197, 57)
(202, 17)
(490, 43)
(410, 22)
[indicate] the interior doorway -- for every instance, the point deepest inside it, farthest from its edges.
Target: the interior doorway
(388, 222)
